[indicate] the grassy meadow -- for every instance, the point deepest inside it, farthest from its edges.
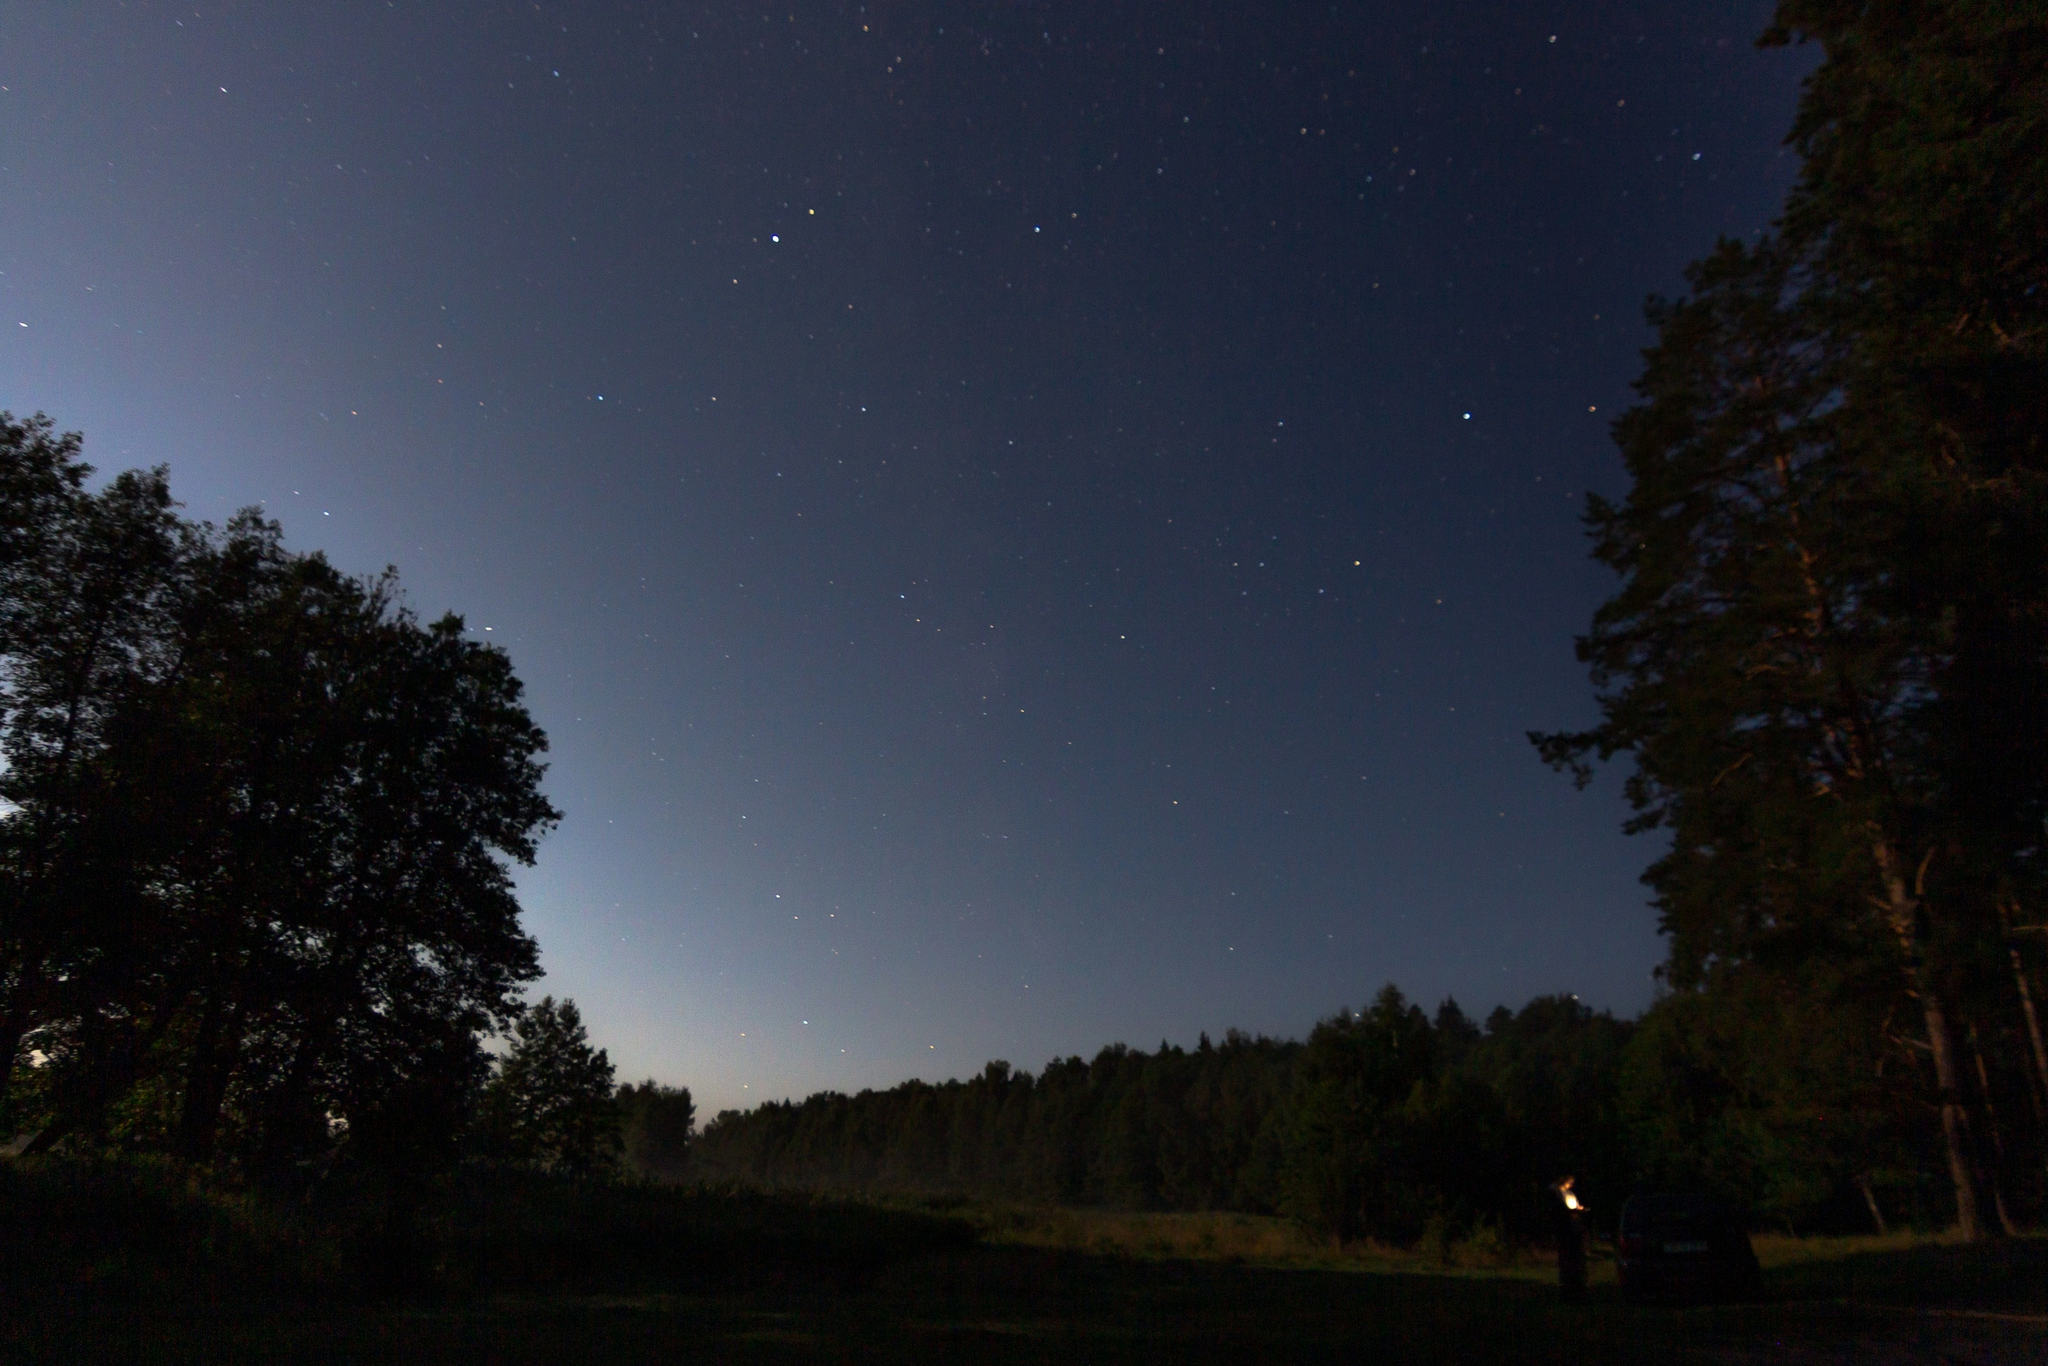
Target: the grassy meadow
(128, 1266)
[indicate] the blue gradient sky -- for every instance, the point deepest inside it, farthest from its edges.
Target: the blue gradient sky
(1028, 526)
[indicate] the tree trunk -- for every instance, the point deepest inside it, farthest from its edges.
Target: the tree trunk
(279, 1133)
(1870, 1199)
(2019, 975)
(1902, 909)
(1955, 1120)
(203, 1087)
(1997, 1138)
(206, 1084)
(12, 1031)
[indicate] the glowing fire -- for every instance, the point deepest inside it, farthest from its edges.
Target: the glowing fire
(1571, 1201)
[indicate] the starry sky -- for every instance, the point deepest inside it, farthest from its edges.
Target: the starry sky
(1028, 525)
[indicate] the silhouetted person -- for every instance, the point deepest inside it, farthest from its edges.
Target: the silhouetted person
(1570, 1219)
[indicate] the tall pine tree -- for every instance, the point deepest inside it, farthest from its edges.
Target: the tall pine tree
(1827, 656)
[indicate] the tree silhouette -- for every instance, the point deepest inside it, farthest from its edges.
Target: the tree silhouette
(657, 1124)
(87, 587)
(252, 861)
(550, 1103)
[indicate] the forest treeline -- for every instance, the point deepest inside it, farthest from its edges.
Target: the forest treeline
(1384, 1123)
(1393, 1124)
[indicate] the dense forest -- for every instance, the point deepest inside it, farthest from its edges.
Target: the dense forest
(1389, 1124)
(1383, 1124)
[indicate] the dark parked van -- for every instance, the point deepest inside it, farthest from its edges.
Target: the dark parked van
(1684, 1247)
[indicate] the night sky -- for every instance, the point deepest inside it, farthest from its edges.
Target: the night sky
(1027, 525)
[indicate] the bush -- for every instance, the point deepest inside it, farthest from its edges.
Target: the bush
(137, 1226)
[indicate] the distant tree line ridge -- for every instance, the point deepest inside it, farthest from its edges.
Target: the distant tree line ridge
(1389, 1124)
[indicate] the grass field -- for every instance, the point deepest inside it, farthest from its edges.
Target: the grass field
(548, 1275)
(1020, 1304)
(1242, 1239)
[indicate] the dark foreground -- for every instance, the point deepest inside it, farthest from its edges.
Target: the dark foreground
(1006, 1304)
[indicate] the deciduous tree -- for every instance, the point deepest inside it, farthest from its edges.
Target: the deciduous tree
(550, 1103)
